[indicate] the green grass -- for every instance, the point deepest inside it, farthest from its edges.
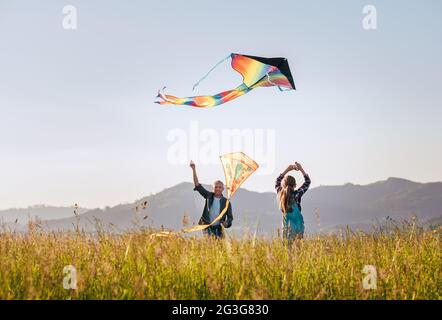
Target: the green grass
(134, 266)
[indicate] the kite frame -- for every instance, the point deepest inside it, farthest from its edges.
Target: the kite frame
(224, 169)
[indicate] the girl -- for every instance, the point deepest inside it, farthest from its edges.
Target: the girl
(289, 200)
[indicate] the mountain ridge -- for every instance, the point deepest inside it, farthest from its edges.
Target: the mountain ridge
(322, 206)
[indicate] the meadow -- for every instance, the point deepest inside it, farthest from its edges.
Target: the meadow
(135, 265)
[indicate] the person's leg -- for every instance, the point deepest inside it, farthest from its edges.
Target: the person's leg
(210, 232)
(296, 239)
(221, 232)
(218, 232)
(286, 233)
(292, 235)
(214, 231)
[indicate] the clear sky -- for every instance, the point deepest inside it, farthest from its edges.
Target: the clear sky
(78, 123)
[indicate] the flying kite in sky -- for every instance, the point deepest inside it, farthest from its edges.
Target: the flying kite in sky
(237, 168)
(256, 72)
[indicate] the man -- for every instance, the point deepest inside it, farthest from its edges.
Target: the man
(215, 203)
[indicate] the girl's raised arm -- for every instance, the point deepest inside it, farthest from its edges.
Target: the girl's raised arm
(281, 176)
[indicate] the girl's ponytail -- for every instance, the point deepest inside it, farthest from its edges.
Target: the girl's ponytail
(285, 200)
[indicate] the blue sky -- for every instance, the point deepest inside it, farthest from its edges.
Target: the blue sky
(78, 124)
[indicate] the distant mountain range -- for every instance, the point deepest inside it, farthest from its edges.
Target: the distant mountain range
(325, 208)
(43, 212)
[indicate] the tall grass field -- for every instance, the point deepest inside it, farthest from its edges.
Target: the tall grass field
(134, 265)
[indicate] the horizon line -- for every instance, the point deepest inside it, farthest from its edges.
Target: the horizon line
(33, 206)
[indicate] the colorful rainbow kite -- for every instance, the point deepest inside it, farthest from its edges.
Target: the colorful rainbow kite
(256, 72)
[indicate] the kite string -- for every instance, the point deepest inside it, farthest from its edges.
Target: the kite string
(205, 76)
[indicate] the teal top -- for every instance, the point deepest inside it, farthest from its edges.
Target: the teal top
(293, 222)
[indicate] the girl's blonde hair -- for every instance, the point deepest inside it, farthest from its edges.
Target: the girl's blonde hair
(285, 195)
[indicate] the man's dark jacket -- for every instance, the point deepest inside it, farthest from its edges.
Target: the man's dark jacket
(226, 220)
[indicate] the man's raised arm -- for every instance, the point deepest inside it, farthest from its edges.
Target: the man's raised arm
(198, 187)
(195, 177)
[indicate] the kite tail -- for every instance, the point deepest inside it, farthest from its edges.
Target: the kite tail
(163, 234)
(194, 228)
(205, 101)
(213, 68)
(205, 226)
(161, 95)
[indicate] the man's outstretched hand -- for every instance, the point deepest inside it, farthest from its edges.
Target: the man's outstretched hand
(192, 165)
